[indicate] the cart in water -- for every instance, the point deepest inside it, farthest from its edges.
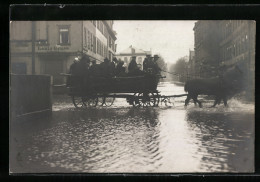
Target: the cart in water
(92, 91)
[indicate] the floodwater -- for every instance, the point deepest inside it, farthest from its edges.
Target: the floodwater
(123, 139)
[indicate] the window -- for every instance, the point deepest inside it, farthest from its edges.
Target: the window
(91, 45)
(64, 35)
(94, 44)
(97, 46)
(101, 27)
(110, 43)
(85, 35)
(88, 40)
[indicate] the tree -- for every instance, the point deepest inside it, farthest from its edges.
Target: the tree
(161, 63)
(180, 68)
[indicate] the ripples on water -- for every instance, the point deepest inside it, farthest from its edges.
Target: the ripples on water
(163, 139)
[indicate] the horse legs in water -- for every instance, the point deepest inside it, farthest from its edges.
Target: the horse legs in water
(225, 101)
(218, 101)
(195, 100)
(187, 100)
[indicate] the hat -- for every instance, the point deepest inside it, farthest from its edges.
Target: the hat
(148, 55)
(115, 59)
(133, 56)
(156, 56)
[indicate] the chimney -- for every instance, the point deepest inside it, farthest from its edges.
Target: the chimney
(132, 50)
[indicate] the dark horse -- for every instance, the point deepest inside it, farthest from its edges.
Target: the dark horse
(222, 87)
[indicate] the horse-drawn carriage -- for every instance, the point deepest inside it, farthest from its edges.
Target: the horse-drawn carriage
(92, 91)
(142, 90)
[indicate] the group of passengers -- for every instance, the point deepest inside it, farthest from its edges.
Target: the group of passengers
(85, 67)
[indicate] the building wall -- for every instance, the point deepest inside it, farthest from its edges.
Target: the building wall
(237, 42)
(96, 42)
(51, 55)
(206, 46)
(227, 42)
(237, 46)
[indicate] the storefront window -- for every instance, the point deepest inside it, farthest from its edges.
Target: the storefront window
(64, 35)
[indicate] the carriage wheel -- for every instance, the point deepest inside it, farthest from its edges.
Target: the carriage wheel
(136, 100)
(78, 101)
(100, 101)
(146, 99)
(108, 101)
(156, 98)
(92, 101)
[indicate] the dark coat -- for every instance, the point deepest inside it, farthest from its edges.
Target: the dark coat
(94, 70)
(132, 66)
(145, 64)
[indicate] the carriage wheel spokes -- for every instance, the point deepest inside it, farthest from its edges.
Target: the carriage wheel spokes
(92, 101)
(156, 98)
(78, 101)
(146, 99)
(108, 101)
(136, 100)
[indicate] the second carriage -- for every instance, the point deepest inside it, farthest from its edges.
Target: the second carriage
(92, 91)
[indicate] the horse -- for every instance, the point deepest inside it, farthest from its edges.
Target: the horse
(222, 87)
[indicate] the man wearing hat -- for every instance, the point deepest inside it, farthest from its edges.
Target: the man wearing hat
(145, 63)
(150, 64)
(156, 68)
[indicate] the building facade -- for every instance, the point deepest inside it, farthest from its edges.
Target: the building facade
(206, 47)
(225, 42)
(49, 47)
(126, 55)
(237, 43)
(191, 65)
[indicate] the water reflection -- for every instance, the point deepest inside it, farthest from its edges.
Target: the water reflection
(100, 140)
(127, 139)
(225, 140)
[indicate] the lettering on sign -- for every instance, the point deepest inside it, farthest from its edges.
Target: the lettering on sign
(52, 48)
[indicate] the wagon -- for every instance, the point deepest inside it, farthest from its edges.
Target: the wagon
(92, 91)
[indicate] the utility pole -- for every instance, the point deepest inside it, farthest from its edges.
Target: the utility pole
(33, 47)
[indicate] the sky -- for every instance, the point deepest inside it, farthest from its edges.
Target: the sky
(171, 39)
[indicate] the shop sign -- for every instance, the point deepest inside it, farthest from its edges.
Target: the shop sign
(52, 48)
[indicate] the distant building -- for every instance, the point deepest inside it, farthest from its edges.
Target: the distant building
(206, 46)
(237, 43)
(49, 47)
(126, 55)
(224, 42)
(191, 64)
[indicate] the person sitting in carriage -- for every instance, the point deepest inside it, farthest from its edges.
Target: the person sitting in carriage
(150, 64)
(94, 69)
(145, 62)
(120, 69)
(156, 69)
(83, 71)
(106, 68)
(73, 67)
(132, 67)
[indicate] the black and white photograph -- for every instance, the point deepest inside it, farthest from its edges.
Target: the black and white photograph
(132, 96)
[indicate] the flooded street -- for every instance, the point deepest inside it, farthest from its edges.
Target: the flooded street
(122, 138)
